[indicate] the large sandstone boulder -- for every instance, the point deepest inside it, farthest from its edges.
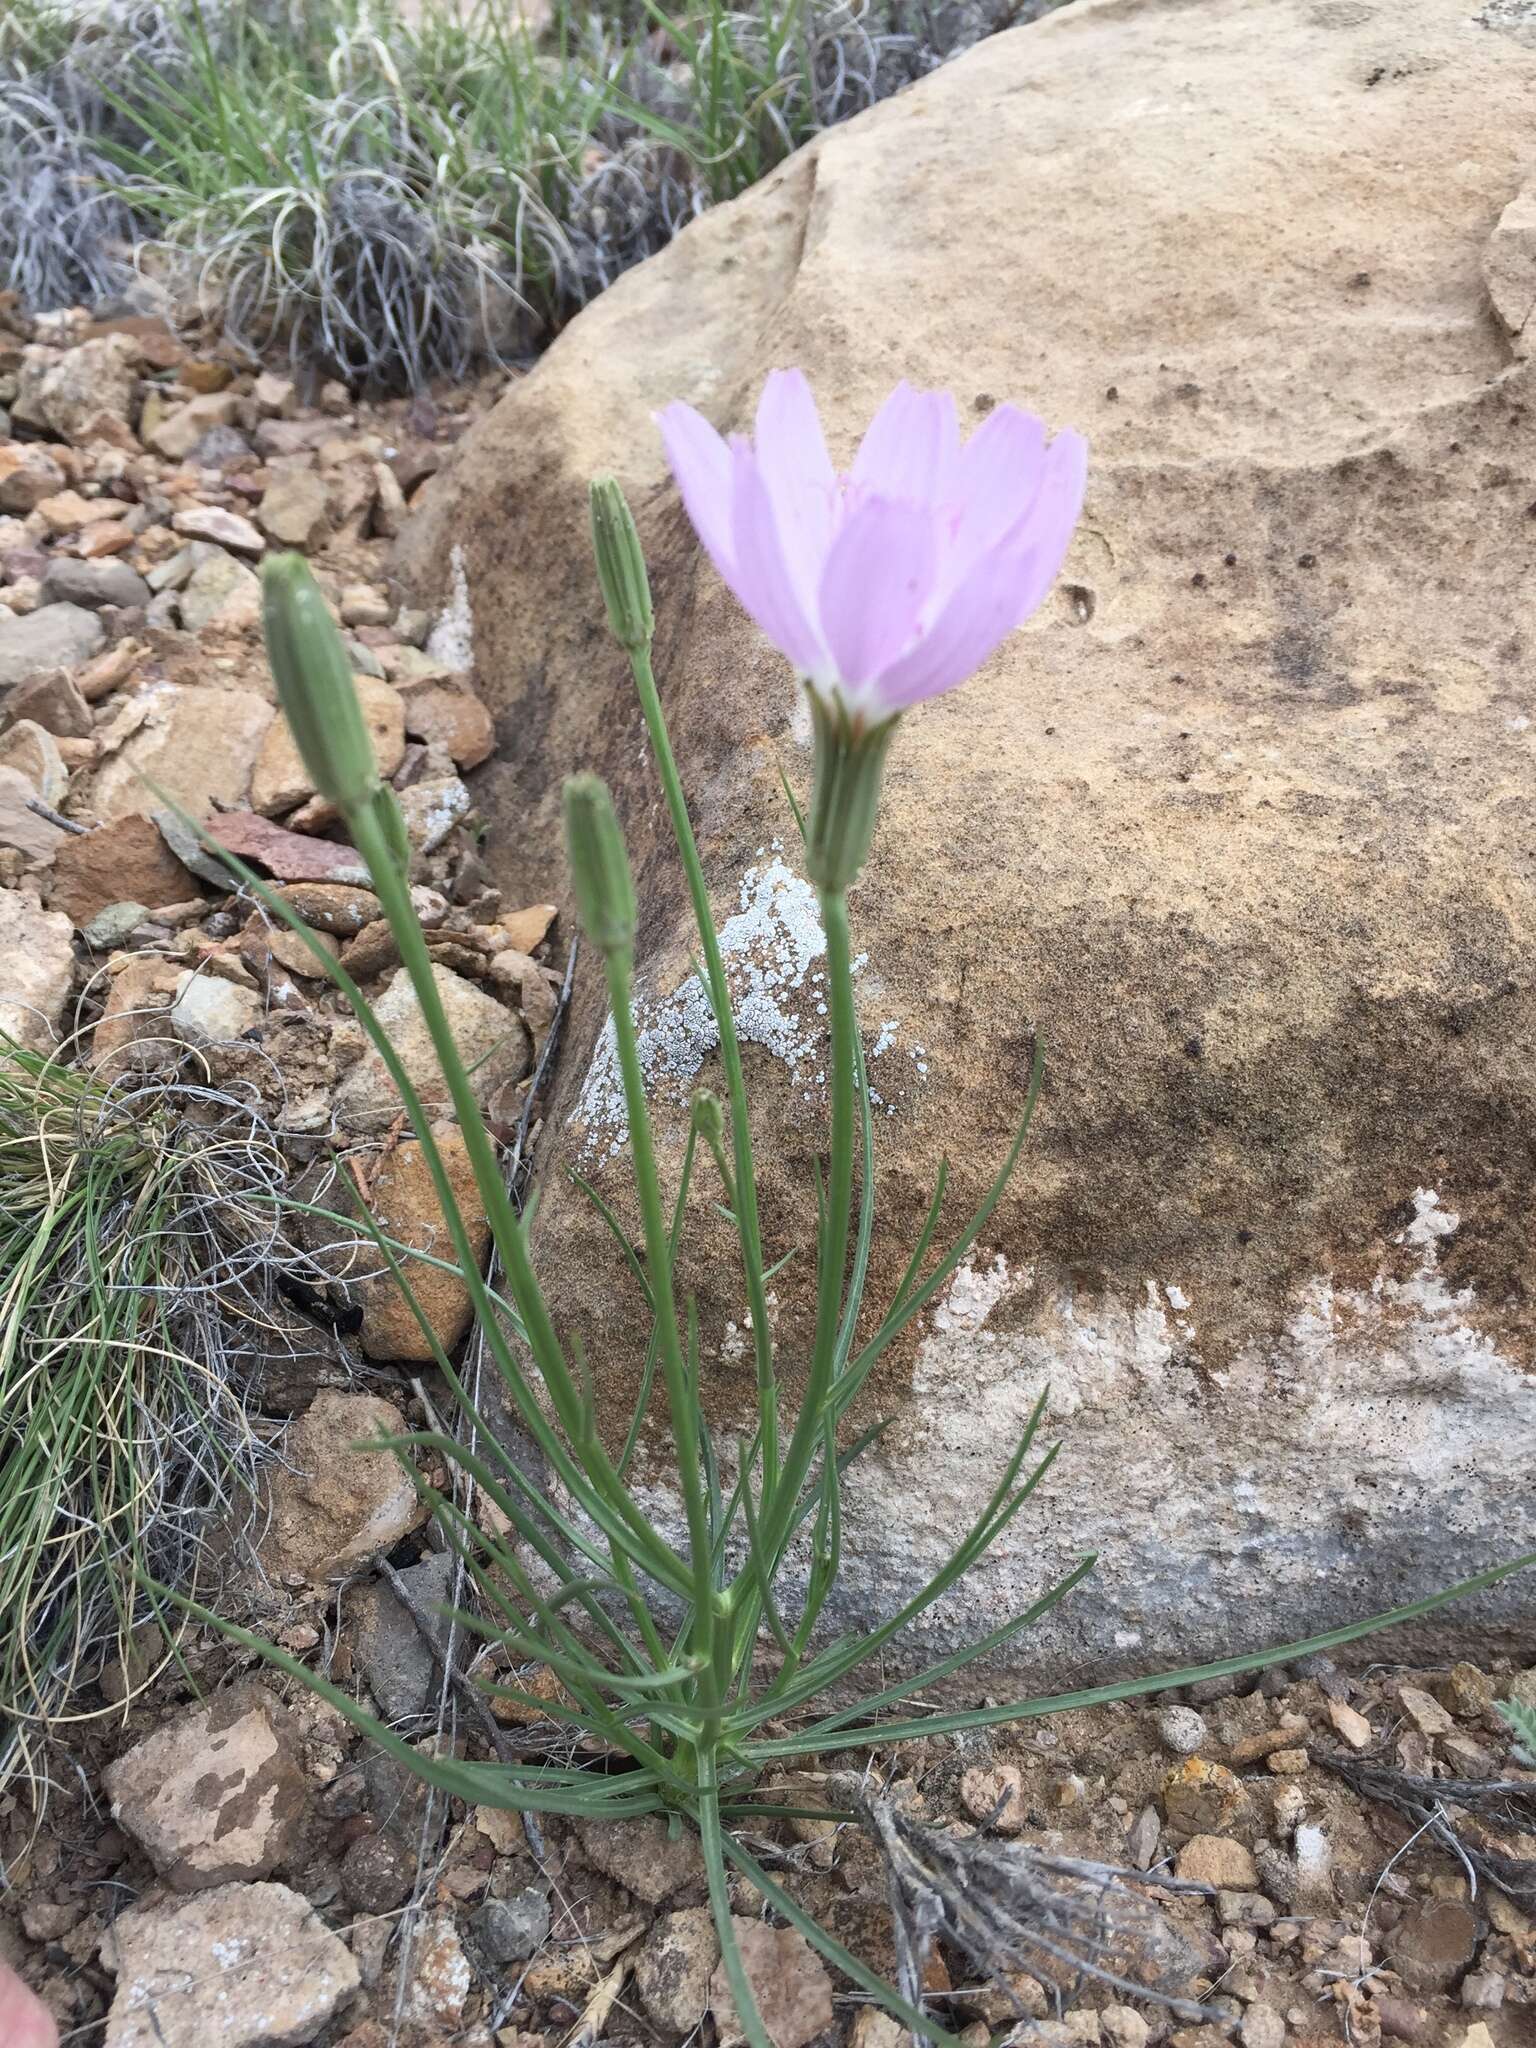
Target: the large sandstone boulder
(1242, 824)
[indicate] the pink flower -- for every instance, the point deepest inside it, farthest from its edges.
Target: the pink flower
(898, 580)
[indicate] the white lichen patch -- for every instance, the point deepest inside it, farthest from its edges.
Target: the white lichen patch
(1430, 1223)
(452, 639)
(1369, 1409)
(771, 948)
(971, 1296)
(1371, 1443)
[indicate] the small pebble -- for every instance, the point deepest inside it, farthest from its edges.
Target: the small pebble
(1181, 1729)
(1482, 1989)
(993, 1795)
(1262, 2027)
(1354, 1728)
(1424, 1710)
(1121, 2026)
(1290, 1809)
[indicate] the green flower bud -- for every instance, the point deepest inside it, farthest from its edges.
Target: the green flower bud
(845, 793)
(314, 683)
(708, 1113)
(620, 565)
(594, 846)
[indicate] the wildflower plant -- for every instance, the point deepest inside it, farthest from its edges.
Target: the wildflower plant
(700, 1665)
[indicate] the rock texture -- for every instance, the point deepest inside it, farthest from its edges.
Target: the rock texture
(1239, 827)
(493, 1043)
(57, 636)
(125, 860)
(674, 1968)
(216, 1794)
(197, 747)
(36, 966)
(642, 1856)
(789, 1982)
(396, 1658)
(280, 780)
(248, 1966)
(403, 1202)
(333, 1505)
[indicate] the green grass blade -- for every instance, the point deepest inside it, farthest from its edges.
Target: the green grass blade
(1137, 1688)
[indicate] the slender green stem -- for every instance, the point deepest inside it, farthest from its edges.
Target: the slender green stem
(642, 1400)
(832, 1255)
(716, 1845)
(748, 1227)
(593, 1477)
(658, 1251)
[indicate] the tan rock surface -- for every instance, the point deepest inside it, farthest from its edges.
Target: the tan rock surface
(36, 966)
(492, 1041)
(198, 746)
(789, 1983)
(403, 1202)
(216, 1793)
(281, 780)
(135, 1027)
(1240, 825)
(126, 861)
(248, 1966)
(83, 395)
(332, 1505)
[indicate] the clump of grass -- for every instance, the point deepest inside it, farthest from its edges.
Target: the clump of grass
(68, 226)
(139, 1234)
(394, 201)
(66, 232)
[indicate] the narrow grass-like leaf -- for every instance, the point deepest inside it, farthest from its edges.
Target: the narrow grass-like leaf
(1135, 1688)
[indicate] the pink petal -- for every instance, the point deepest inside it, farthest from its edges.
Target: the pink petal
(911, 449)
(979, 616)
(1000, 590)
(878, 577)
(789, 441)
(760, 576)
(1001, 470)
(1048, 525)
(793, 462)
(701, 463)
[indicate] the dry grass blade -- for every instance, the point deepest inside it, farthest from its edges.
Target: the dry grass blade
(1471, 1818)
(1010, 1908)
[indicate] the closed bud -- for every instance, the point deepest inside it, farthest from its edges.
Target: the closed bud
(620, 565)
(314, 683)
(708, 1113)
(594, 846)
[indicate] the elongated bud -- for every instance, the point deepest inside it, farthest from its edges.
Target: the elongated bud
(314, 683)
(845, 793)
(620, 565)
(594, 846)
(708, 1113)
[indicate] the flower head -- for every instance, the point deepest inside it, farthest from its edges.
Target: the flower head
(313, 672)
(899, 579)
